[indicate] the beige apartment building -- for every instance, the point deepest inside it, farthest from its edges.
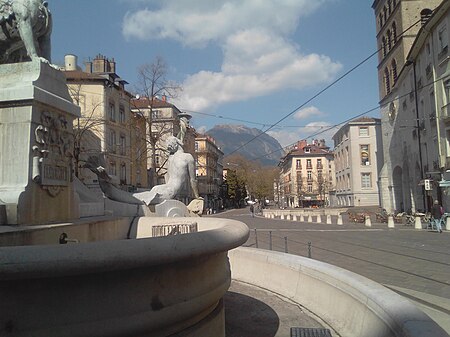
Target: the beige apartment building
(104, 126)
(307, 175)
(408, 65)
(161, 120)
(209, 170)
(358, 156)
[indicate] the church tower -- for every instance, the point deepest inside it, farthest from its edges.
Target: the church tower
(394, 17)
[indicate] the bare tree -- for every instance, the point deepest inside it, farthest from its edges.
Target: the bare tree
(152, 83)
(86, 128)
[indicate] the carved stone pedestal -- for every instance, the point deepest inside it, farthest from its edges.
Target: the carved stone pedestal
(36, 144)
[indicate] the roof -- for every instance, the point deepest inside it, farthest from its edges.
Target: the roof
(314, 151)
(144, 103)
(358, 121)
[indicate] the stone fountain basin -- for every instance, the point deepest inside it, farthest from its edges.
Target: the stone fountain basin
(152, 286)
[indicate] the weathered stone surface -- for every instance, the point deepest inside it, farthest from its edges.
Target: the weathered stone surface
(196, 207)
(36, 144)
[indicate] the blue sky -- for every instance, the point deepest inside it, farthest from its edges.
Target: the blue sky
(253, 60)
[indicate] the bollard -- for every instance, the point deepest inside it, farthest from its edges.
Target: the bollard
(309, 218)
(339, 219)
(256, 239)
(418, 223)
(391, 221)
(309, 249)
(447, 223)
(285, 244)
(328, 219)
(368, 222)
(302, 218)
(319, 218)
(288, 217)
(282, 216)
(270, 240)
(294, 218)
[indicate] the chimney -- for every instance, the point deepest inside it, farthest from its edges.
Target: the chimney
(70, 62)
(164, 98)
(301, 144)
(99, 64)
(88, 67)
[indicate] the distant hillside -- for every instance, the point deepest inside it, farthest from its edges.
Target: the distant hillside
(230, 137)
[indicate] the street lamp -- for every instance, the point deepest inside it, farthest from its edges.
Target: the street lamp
(413, 63)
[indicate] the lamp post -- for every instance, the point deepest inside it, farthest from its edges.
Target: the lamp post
(416, 101)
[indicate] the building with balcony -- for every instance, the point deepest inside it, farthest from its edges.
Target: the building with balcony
(209, 170)
(413, 108)
(104, 126)
(358, 157)
(307, 175)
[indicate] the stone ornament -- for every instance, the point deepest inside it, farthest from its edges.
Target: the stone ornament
(25, 29)
(52, 153)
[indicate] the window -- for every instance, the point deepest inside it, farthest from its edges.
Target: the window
(156, 114)
(394, 71)
(309, 175)
(122, 145)
(387, 82)
(310, 189)
(112, 112)
(443, 41)
(363, 131)
(365, 156)
(384, 46)
(389, 39)
(123, 173)
(112, 141)
(121, 114)
(307, 149)
(308, 163)
(319, 176)
(196, 146)
(394, 32)
(298, 164)
(319, 163)
(112, 168)
(366, 181)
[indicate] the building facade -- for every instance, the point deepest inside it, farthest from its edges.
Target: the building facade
(411, 104)
(307, 175)
(209, 170)
(104, 126)
(358, 158)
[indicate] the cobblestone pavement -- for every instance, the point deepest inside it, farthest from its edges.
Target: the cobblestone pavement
(415, 263)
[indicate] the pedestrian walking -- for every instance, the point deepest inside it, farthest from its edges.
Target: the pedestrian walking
(436, 212)
(252, 210)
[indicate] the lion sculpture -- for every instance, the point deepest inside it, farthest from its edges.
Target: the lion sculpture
(25, 29)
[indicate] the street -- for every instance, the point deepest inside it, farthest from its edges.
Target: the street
(415, 263)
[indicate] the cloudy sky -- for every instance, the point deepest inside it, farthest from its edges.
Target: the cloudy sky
(250, 62)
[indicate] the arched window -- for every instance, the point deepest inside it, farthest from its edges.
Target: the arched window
(389, 39)
(385, 13)
(394, 71)
(389, 6)
(384, 46)
(394, 32)
(387, 82)
(380, 19)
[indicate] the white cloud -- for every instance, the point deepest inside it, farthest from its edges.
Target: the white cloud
(258, 57)
(309, 112)
(198, 22)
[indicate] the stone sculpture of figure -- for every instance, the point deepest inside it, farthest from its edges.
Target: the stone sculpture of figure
(25, 29)
(180, 167)
(184, 123)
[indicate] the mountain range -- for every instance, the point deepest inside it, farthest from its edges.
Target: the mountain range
(265, 149)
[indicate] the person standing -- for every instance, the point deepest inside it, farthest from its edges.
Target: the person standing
(436, 212)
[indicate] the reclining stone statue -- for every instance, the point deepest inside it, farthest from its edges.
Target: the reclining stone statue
(180, 168)
(25, 29)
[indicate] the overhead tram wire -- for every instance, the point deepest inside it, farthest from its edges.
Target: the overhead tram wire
(349, 119)
(318, 94)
